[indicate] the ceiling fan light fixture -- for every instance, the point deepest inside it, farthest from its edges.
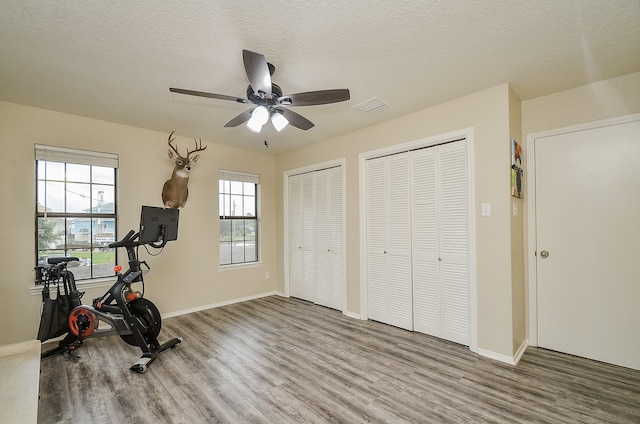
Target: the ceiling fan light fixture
(254, 127)
(259, 117)
(279, 121)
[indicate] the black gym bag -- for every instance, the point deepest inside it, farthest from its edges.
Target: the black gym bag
(54, 321)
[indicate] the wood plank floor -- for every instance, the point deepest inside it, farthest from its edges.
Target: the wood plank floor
(278, 360)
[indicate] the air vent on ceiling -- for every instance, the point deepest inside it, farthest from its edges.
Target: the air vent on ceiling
(370, 105)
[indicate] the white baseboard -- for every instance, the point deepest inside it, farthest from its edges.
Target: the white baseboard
(523, 347)
(352, 315)
(219, 304)
(511, 360)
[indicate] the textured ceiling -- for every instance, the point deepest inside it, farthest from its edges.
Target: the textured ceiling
(115, 60)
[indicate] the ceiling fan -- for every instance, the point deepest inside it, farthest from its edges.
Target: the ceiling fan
(268, 98)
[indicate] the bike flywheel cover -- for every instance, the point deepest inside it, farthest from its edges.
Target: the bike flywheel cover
(82, 322)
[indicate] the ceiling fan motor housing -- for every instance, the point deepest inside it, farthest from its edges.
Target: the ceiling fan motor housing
(276, 92)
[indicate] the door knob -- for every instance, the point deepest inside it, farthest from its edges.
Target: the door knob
(544, 253)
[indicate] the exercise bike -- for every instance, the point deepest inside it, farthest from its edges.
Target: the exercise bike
(135, 319)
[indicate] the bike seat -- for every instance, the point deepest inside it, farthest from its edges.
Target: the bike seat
(60, 259)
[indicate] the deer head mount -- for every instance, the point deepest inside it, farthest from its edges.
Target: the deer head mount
(175, 191)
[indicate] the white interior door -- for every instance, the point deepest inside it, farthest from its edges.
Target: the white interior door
(587, 208)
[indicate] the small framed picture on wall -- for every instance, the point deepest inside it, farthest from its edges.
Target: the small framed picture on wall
(516, 169)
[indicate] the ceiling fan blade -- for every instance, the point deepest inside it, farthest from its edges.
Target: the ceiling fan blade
(209, 95)
(320, 97)
(296, 119)
(240, 119)
(258, 72)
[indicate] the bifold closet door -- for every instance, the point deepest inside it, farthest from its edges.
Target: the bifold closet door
(329, 281)
(316, 270)
(301, 237)
(295, 236)
(389, 290)
(440, 228)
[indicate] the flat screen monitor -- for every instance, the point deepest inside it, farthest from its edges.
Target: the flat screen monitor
(158, 225)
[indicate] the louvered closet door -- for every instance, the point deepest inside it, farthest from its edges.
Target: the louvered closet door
(322, 238)
(389, 285)
(454, 241)
(427, 297)
(440, 227)
(329, 281)
(307, 291)
(376, 203)
(399, 242)
(316, 270)
(295, 237)
(337, 252)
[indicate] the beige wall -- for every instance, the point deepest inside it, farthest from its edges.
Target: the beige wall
(602, 100)
(185, 275)
(487, 112)
(517, 236)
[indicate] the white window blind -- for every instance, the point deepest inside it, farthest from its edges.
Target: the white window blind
(81, 157)
(239, 176)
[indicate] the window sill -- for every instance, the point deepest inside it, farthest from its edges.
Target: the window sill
(223, 268)
(81, 285)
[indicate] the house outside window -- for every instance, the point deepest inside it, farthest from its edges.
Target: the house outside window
(238, 211)
(76, 210)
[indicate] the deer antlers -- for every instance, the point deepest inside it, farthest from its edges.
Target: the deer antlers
(198, 148)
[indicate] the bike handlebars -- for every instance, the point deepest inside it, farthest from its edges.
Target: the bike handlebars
(128, 240)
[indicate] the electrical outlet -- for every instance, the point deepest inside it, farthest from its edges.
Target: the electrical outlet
(266, 275)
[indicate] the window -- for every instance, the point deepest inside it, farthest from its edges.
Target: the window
(238, 206)
(76, 208)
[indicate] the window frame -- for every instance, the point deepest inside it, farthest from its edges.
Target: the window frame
(244, 178)
(66, 156)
